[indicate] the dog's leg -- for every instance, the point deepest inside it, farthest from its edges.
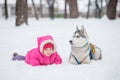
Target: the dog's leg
(86, 61)
(72, 60)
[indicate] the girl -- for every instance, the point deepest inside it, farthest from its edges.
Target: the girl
(44, 54)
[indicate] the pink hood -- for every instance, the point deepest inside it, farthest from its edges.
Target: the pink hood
(43, 40)
(36, 57)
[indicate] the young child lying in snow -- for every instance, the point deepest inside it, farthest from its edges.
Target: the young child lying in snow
(44, 54)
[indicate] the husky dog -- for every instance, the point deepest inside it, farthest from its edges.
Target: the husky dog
(82, 51)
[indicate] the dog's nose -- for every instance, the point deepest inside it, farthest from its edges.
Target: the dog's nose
(70, 41)
(78, 36)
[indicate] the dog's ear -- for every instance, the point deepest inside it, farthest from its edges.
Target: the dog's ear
(84, 31)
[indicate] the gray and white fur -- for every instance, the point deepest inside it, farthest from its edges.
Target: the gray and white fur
(80, 48)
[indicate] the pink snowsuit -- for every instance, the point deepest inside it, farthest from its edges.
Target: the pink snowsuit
(36, 57)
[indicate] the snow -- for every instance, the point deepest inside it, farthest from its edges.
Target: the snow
(102, 32)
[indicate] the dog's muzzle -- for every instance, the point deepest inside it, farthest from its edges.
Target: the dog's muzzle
(71, 42)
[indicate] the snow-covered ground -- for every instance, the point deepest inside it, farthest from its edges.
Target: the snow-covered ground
(104, 33)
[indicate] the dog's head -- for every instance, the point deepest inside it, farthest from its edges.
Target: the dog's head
(80, 37)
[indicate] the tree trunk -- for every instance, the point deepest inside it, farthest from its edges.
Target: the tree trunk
(65, 10)
(51, 8)
(35, 11)
(101, 10)
(111, 9)
(51, 11)
(21, 12)
(6, 10)
(25, 12)
(88, 11)
(41, 8)
(73, 8)
(97, 10)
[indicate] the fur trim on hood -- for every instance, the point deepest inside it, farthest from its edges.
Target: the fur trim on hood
(44, 40)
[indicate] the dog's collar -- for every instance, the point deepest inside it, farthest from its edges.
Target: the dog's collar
(85, 45)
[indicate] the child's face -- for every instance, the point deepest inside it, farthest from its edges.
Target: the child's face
(48, 51)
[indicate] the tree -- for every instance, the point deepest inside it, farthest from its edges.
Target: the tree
(88, 11)
(51, 8)
(73, 8)
(6, 10)
(111, 9)
(35, 11)
(41, 8)
(65, 10)
(98, 8)
(21, 12)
